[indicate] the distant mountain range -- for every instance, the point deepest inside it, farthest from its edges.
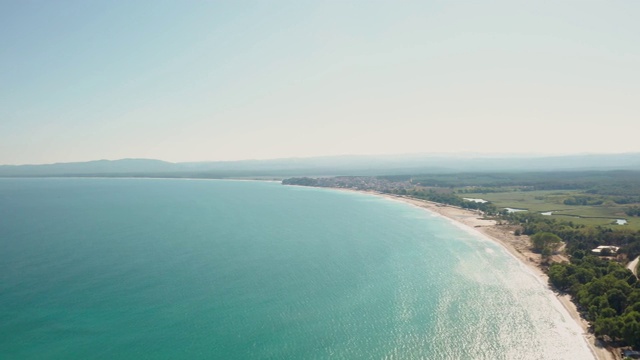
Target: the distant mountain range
(328, 166)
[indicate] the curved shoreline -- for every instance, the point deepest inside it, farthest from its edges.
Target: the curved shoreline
(517, 246)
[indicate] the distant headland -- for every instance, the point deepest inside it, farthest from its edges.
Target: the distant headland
(348, 165)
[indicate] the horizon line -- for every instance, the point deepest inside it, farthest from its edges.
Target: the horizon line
(468, 154)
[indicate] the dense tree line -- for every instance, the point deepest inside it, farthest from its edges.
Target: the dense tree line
(626, 199)
(303, 181)
(582, 200)
(450, 199)
(622, 185)
(607, 294)
(633, 211)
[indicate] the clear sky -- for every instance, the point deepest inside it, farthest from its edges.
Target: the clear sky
(228, 80)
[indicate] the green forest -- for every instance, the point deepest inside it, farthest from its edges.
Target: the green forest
(607, 294)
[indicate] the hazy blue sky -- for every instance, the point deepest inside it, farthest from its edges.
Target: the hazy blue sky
(214, 80)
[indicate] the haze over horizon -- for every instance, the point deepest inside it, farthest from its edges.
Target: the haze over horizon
(405, 156)
(227, 81)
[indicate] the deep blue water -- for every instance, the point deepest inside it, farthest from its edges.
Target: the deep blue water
(188, 269)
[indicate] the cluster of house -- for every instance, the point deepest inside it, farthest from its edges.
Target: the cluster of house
(363, 183)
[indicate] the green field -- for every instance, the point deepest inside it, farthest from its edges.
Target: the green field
(552, 200)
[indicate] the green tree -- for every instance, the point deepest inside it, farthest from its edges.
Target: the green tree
(545, 240)
(631, 328)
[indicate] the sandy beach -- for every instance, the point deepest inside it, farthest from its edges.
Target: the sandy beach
(518, 246)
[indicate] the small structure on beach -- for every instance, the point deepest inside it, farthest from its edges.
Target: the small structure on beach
(606, 249)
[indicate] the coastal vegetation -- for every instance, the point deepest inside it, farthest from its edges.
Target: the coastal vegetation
(607, 294)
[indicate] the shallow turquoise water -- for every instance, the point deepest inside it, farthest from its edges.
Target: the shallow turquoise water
(186, 269)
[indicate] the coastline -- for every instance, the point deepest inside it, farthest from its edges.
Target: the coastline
(517, 246)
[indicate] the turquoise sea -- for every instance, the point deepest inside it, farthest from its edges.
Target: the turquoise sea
(205, 269)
